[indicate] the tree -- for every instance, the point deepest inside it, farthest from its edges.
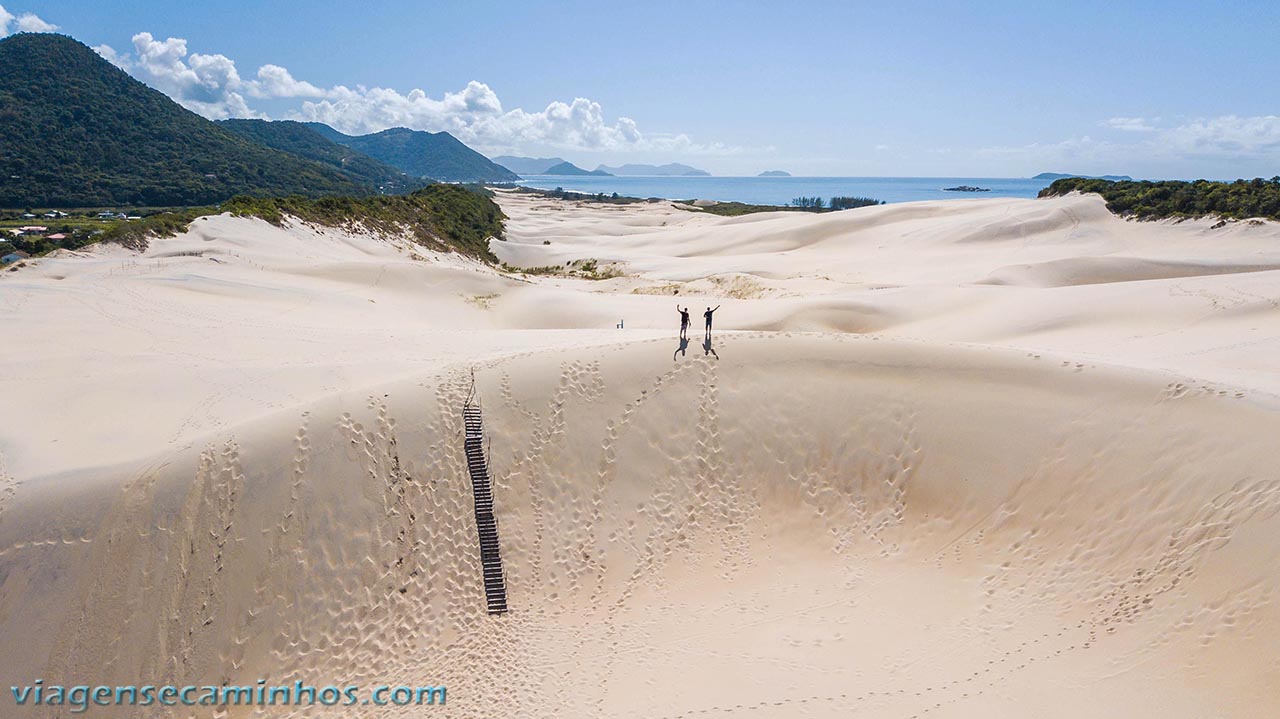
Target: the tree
(848, 203)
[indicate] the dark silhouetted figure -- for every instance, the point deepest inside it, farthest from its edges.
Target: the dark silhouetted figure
(708, 314)
(684, 346)
(684, 322)
(707, 349)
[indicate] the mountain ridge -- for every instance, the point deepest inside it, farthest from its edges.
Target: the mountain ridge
(527, 165)
(437, 155)
(1063, 176)
(298, 139)
(671, 169)
(570, 169)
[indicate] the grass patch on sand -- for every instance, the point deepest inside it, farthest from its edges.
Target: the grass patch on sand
(738, 287)
(586, 269)
(484, 302)
(670, 288)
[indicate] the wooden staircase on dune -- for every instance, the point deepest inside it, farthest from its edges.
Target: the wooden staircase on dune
(495, 582)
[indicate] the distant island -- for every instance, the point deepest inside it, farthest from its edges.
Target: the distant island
(527, 165)
(1061, 176)
(673, 169)
(568, 168)
(774, 173)
(543, 166)
(965, 188)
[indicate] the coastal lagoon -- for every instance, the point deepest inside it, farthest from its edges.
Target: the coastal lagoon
(781, 190)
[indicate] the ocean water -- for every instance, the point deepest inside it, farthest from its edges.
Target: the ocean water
(781, 190)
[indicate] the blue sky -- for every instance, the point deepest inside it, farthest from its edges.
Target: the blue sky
(992, 88)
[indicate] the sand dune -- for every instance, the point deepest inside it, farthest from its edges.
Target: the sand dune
(1101, 270)
(927, 472)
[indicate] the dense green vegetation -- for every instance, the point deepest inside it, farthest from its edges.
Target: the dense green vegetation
(808, 203)
(136, 234)
(302, 140)
(836, 203)
(441, 217)
(1146, 200)
(849, 203)
(437, 155)
(76, 131)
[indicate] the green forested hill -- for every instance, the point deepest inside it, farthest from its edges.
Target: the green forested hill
(298, 139)
(437, 155)
(76, 131)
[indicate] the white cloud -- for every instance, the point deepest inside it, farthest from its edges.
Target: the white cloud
(26, 22)
(475, 115)
(212, 86)
(1226, 135)
(276, 81)
(207, 84)
(1226, 146)
(1129, 124)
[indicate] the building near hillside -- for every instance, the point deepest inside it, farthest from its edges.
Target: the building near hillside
(14, 257)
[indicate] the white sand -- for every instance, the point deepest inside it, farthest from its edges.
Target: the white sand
(976, 458)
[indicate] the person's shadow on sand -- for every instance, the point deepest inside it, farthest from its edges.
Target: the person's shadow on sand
(707, 349)
(684, 345)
